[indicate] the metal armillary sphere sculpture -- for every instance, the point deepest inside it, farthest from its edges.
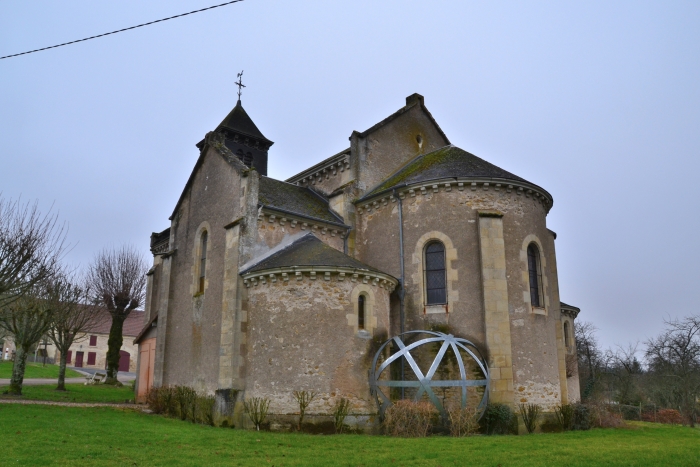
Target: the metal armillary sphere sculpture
(424, 383)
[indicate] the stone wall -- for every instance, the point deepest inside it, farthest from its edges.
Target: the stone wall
(191, 320)
(100, 351)
(303, 335)
(378, 153)
(452, 216)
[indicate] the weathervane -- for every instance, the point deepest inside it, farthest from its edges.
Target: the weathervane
(240, 84)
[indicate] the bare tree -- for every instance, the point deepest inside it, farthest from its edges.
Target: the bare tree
(674, 361)
(117, 278)
(31, 246)
(625, 374)
(28, 318)
(590, 357)
(75, 314)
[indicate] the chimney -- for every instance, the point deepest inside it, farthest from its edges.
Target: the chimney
(414, 99)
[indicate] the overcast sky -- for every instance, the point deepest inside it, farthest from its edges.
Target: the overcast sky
(597, 102)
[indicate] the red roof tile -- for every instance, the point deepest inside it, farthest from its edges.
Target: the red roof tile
(132, 325)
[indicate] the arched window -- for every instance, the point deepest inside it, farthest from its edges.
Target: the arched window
(567, 339)
(202, 260)
(435, 277)
(361, 312)
(535, 272)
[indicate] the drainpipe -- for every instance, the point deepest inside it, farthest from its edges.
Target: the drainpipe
(402, 291)
(345, 241)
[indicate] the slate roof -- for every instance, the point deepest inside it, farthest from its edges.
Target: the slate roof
(238, 120)
(295, 199)
(562, 304)
(446, 162)
(308, 251)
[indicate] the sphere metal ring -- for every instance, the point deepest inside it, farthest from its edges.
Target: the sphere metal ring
(424, 382)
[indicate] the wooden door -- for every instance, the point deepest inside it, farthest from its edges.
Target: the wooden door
(147, 354)
(79, 359)
(124, 359)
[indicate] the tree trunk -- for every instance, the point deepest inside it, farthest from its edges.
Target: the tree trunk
(62, 373)
(18, 371)
(114, 345)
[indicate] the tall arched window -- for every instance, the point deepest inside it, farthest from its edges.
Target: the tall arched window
(567, 338)
(435, 277)
(535, 272)
(361, 312)
(202, 261)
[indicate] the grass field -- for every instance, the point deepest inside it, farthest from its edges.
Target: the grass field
(36, 370)
(77, 393)
(43, 435)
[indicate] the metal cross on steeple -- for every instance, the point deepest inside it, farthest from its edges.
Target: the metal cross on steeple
(240, 84)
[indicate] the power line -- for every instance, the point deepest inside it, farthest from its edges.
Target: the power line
(122, 30)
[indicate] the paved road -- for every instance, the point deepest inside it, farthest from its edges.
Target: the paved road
(122, 376)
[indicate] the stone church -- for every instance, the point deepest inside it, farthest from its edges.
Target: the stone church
(261, 287)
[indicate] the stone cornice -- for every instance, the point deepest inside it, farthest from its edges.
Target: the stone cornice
(570, 311)
(284, 218)
(327, 273)
(161, 247)
(323, 170)
(167, 254)
(514, 187)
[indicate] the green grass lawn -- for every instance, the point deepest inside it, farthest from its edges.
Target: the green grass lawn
(36, 370)
(76, 393)
(43, 435)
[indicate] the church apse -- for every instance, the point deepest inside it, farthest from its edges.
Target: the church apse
(302, 277)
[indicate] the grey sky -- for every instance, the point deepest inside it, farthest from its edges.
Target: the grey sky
(597, 102)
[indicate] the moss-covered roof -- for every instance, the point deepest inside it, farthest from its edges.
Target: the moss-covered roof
(446, 162)
(308, 251)
(295, 199)
(239, 121)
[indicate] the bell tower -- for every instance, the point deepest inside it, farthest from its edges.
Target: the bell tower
(244, 139)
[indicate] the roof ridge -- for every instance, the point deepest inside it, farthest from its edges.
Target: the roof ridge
(449, 161)
(404, 166)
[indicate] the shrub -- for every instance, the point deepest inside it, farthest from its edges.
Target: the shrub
(409, 419)
(498, 419)
(530, 413)
(303, 398)
(184, 400)
(565, 416)
(603, 416)
(160, 400)
(256, 408)
(463, 421)
(669, 416)
(340, 411)
(581, 419)
(205, 409)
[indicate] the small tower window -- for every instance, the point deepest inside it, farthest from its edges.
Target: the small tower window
(202, 261)
(535, 273)
(361, 312)
(567, 339)
(435, 276)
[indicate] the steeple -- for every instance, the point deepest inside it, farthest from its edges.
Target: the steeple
(244, 139)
